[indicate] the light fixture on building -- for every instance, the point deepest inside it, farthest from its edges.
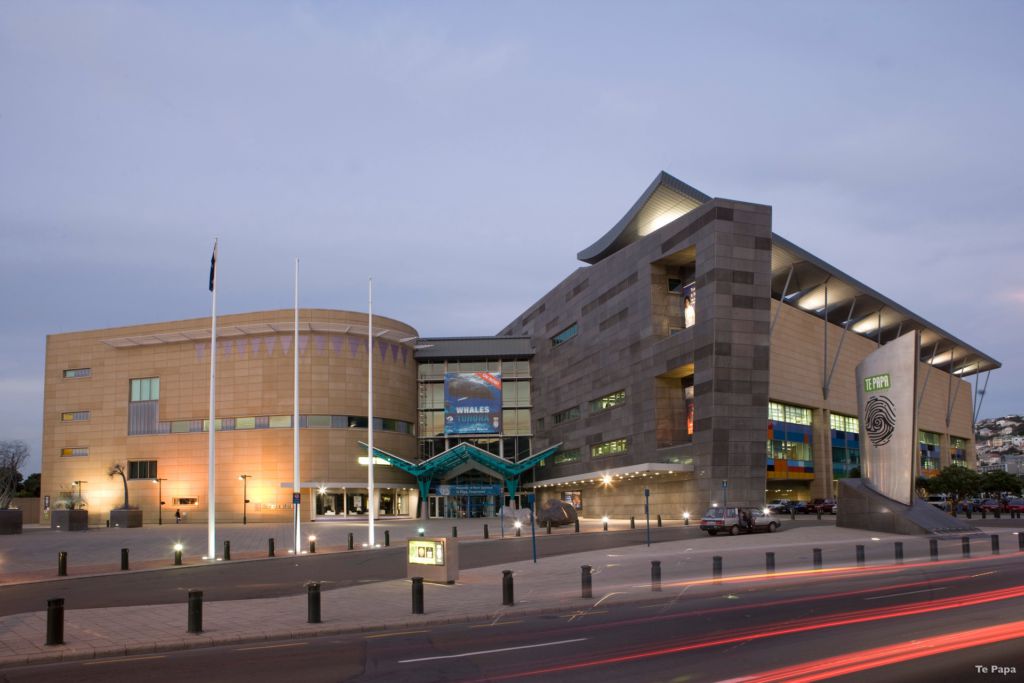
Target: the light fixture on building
(606, 479)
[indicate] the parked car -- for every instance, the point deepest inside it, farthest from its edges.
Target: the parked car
(823, 505)
(729, 521)
(1015, 505)
(990, 505)
(940, 500)
(780, 506)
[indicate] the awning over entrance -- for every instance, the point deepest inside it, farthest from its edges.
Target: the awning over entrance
(437, 466)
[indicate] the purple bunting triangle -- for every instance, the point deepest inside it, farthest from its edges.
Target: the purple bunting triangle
(200, 351)
(270, 342)
(319, 342)
(303, 343)
(286, 344)
(336, 344)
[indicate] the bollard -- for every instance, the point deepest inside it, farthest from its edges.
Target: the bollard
(519, 531)
(195, 611)
(659, 521)
(270, 547)
(586, 582)
(227, 550)
(817, 558)
(487, 533)
(177, 556)
(933, 549)
(983, 513)
(576, 525)
(312, 545)
(1020, 542)
(819, 514)
(420, 531)
(606, 525)
(507, 595)
(655, 575)
(455, 532)
(686, 520)
(55, 621)
(62, 563)
(968, 512)
(549, 526)
(417, 595)
(716, 567)
(995, 513)
(898, 548)
(860, 556)
(632, 522)
(769, 563)
(995, 544)
(387, 538)
(352, 542)
(124, 559)
(792, 514)
(313, 602)
(965, 546)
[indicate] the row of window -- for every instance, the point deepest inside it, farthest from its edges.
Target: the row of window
(607, 402)
(77, 372)
(75, 416)
(514, 394)
(285, 422)
(509, 369)
(514, 422)
(142, 469)
(565, 335)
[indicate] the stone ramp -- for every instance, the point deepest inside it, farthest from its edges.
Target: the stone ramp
(861, 507)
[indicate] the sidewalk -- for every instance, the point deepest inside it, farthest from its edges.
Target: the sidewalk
(553, 584)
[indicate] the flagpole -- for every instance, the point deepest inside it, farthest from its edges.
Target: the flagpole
(211, 522)
(369, 418)
(296, 491)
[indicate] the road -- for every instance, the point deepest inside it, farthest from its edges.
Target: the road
(872, 625)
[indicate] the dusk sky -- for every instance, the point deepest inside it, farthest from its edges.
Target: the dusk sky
(463, 153)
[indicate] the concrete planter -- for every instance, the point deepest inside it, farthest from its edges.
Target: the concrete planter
(10, 522)
(69, 520)
(126, 518)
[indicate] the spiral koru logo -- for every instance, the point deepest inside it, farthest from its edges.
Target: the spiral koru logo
(879, 420)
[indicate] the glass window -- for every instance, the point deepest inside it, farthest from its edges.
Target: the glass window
(77, 372)
(245, 422)
(516, 394)
(73, 452)
(782, 412)
(613, 399)
(146, 389)
(280, 421)
(957, 442)
(357, 422)
(567, 415)
(142, 469)
(609, 448)
(565, 335)
(844, 423)
(318, 421)
(75, 416)
(566, 456)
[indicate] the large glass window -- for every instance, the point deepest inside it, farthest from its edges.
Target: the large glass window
(958, 451)
(147, 389)
(566, 456)
(930, 444)
(783, 412)
(567, 415)
(565, 335)
(142, 469)
(616, 447)
(616, 398)
(515, 394)
(845, 437)
(844, 423)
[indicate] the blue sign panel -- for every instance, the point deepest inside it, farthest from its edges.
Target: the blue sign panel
(472, 403)
(468, 489)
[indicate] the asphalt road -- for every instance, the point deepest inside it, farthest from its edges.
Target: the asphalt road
(288, 575)
(871, 626)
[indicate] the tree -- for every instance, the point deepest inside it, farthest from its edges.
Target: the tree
(31, 486)
(13, 454)
(999, 482)
(956, 482)
(118, 468)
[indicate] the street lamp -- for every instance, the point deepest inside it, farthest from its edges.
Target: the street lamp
(160, 496)
(245, 495)
(79, 485)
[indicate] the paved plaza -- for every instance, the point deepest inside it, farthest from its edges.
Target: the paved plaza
(553, 583)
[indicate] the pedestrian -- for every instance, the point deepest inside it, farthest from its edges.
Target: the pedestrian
(177, 516)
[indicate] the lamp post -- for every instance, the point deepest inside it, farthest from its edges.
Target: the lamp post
(79, 485)
(245, 495)
(160, 499)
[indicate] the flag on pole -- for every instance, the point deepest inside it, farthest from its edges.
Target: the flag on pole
(213, 266)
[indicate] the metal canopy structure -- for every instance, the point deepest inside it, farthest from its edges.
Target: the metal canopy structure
(803, 280)
(435, 467)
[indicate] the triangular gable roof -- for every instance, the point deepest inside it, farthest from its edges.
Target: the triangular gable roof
(436, 466)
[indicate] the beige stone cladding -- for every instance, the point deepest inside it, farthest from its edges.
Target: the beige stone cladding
(800, 363)
(254, 380)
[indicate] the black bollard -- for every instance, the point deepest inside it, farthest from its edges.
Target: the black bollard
(860, 556)
(352, 542)
(227, 550)
(769, 563)
(659, 521)
(62, 563)
(387, 538)
(817, 558)
(792, 514)
(519, 530)
(716, 567)
(605, 524)
(487, 533)
(576, 525)
(312, 545)
(995, 513)
(177, 556)
(898, 550)
(55, 621)
(983, 513)
(819, 514)
(313, 602)
(586, 582)
(655, 575)
(968, 512)
(995, 544)
(965, 546)
(455, 532)
(548, 526)
(507, 594)
(195, 611)
(417, 595)
(1020, 542)
(933, 549)
(270, 547)
(632, 522)
(124, 559)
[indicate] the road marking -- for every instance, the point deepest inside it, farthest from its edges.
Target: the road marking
(489, 652)
(269, 647)
(896, 595)
(497, 623)
(123, 659)
(396, 633)
(606, 597)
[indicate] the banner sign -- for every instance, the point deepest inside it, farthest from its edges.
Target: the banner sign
(472, 403)
(887, 407)
(469, 489)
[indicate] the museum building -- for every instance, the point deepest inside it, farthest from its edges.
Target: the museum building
(697, 356)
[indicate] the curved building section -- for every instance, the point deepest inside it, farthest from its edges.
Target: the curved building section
(140, 396)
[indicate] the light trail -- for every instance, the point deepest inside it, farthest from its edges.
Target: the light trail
(863, 660)
(787, 628)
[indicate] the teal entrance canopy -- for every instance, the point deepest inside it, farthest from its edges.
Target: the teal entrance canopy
(437, 466)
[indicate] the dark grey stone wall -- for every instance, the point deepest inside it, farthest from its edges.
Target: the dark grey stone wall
(624, 342)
